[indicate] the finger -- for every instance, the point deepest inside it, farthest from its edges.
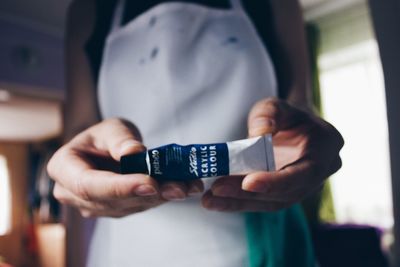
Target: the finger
(195, 187)
(231, 187)
(301, 174)
(103, 185)
(77, 176)
(116, 137)
(335, 166)
(174, 190)
(209, 201)
(113, 213)
(108, 213)
(272, 115)
(66, 197)
(129, 203)
(228, 186)
(89, 184)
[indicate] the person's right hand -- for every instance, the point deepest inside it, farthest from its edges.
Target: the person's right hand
(86, 173)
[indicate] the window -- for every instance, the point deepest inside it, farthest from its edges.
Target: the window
(5, 198)
(353, 99)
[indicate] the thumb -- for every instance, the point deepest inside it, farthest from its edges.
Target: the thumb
(118, 137)
(271, 115)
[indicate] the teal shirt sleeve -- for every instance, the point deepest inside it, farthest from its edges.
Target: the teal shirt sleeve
(279, 239)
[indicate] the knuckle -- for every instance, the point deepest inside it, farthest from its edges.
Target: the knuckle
(102, 206)
(58, 194)
(337, 164)
(340, 140)
(271, 101)
(54, 161)
(272, 108)
(113, 125)
(334, 135)
(121, 122)
(115, 120)
(125, 123)
(117, 192)
(81, 190)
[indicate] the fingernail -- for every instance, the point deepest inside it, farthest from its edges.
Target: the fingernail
(129, 145)
(194, 190)
(145, 190)
(262, 122)
(254, 186)
(173, 194)
(261, 125)
(224, 191)
(218, 204)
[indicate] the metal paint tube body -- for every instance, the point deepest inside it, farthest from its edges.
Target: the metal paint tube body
(196, 161)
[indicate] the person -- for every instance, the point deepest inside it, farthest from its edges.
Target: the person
(189, 72)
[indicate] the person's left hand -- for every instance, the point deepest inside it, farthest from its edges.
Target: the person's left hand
(306, 152)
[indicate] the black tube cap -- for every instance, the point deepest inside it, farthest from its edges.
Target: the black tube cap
(134, 163)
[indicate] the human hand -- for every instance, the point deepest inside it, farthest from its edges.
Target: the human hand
(86, 173)
(306, 152)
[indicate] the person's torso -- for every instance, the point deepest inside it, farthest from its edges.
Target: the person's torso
(183, 73)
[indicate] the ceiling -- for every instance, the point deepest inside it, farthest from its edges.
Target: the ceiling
(50, 14)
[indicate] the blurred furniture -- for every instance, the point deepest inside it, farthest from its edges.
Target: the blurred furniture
(348, 246)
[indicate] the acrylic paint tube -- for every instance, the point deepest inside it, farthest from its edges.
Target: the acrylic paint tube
(190, 162)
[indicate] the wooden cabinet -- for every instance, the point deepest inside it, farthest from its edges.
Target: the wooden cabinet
(12, 244)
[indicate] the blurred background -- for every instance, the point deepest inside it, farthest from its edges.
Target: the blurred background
(352, 217)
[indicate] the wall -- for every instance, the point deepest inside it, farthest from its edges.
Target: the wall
(31, 62)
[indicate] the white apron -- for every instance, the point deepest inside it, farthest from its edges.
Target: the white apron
(182, 73)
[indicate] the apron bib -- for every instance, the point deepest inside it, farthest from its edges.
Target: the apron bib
(184, 73)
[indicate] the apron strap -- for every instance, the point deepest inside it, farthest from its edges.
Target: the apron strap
(119, 12)
(117, 16)
(236, 4)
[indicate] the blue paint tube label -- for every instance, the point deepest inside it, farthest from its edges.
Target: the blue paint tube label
(176, 162)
